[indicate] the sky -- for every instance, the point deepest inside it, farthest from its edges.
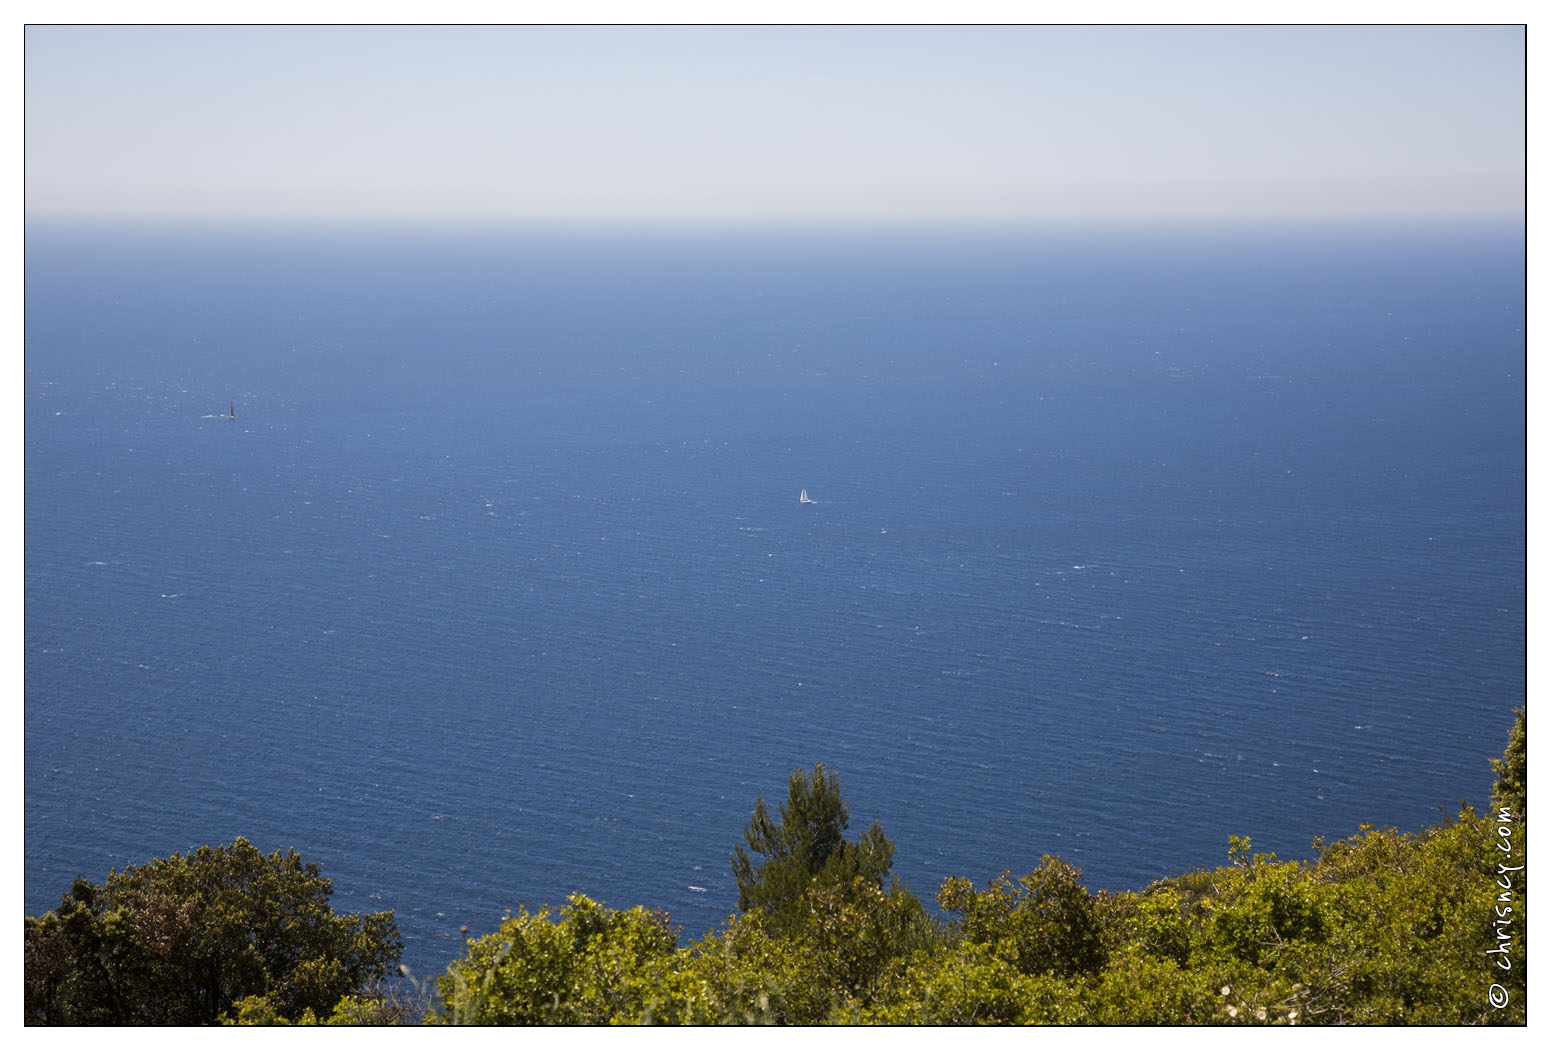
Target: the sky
(775, 122)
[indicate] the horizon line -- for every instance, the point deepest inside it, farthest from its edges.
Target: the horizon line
(687, 221)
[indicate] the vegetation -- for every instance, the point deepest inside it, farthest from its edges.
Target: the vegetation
(1509, 791)
(806, 846)
(182, 940)
(1381, 928)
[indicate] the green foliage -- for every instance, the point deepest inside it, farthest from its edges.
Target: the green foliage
(1263, 907)
(969, 984)
(582, 969)
(595, 966)
(741, 975)
(385, 1008)
(1509, 789)
(1138, 987)
(807, 845)
(1154, 922)
(852, 937)
(1383, 928)
(261, 1010)
(1043, 923)
(1411, 928)
(181, 940)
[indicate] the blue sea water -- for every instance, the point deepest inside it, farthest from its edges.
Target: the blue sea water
(497, 587)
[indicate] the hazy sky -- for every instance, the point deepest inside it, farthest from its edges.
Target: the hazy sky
(773, 122)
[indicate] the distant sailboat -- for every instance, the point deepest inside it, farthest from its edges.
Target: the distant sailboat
(803, 499)
(232, 413)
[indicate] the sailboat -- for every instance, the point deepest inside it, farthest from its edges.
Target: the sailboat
(803, 499)
(232, 413)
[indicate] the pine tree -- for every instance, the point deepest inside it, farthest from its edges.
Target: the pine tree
(805, 846)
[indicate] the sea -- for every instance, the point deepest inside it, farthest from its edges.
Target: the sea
(469, 561)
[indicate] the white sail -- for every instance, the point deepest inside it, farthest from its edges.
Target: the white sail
(803, 499)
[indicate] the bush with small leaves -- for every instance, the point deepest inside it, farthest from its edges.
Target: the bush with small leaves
(1044, 923)
(180, 940)
(584, 968)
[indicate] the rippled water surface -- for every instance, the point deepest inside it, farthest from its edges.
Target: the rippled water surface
(497, 586)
